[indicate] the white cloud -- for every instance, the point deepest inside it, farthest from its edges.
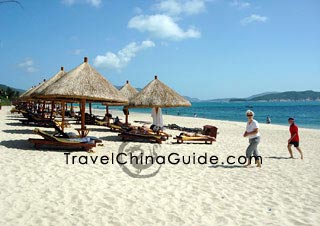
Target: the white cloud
(120, 59)
(177, 7)
(137, 10)
(28, 65)
(240, 4)
(162, 26)
(95, 3)
(254, 18)
(77, 51)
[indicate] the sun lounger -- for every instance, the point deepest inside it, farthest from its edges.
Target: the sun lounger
(37, 122)
(50, 140)
(208, 136)
(191, 130)
(15, 110)
(131, 136)
(205, 138)
(61, 134)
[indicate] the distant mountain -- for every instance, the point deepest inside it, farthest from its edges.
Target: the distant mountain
(275, 96)
(308, 95)
(259, 95)
(218, 100)
(192, 99)
(4, 87)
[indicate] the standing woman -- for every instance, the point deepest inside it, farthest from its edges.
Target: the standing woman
(252, 132)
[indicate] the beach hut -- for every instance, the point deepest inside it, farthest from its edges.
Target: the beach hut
(129, 92)
(83, 84)
(157, 95)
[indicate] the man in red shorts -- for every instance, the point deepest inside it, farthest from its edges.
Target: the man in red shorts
(294, 139)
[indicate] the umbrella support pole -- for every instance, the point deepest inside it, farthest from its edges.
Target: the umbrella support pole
(83, 108)
(107, 113)
(62, 114)
(52, 107)
(43, 108)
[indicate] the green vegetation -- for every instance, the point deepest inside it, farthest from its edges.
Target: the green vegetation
(7, 94)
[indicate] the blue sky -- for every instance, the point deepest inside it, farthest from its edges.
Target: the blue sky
(201, 48)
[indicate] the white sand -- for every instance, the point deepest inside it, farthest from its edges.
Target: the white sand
(37, 187)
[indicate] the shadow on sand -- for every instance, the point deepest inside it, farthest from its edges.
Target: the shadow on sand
(18, 131)
(14, 124)
(197, 143)
(277, 157)
(18, 144)
(102, 129)
(226, 166)
(111, 138)
(26, 145)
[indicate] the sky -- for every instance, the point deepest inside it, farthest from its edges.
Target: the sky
(201, 48)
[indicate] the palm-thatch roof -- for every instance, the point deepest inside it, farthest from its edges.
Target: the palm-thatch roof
(22, 96)
(83, 83)
(157, 94)
(37, 92)
(27, 95)
(128, 91)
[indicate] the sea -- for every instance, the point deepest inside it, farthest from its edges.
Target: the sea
(306, 113)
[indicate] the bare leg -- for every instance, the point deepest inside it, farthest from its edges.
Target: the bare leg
(301, 155)
(290, 150)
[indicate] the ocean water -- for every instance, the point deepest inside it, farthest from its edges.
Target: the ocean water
(306, 114)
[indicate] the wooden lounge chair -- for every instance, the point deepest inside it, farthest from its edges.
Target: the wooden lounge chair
(130, 136)
(37, 122)
(51, 140)
(14, 110)
(61, 134)
(100, 122)
(205, 138)
(208, 136)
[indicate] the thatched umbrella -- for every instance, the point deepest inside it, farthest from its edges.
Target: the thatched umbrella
(24, 97)
(27, 95)
(37, 92)
(82, 84)
(129, 92)
(158, 95)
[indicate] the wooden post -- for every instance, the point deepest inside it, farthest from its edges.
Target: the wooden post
(52, 107)
(126, 116)
(83, 109)
(90, 108)
(62, 114)
(43, 108)
(107, 113)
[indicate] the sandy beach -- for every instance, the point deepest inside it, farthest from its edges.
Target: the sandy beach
(37, 187)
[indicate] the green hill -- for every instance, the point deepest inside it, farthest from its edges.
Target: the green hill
(308, 95)
(7, 94)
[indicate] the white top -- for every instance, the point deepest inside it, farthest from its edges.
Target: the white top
(157, 117)
(251, 126)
